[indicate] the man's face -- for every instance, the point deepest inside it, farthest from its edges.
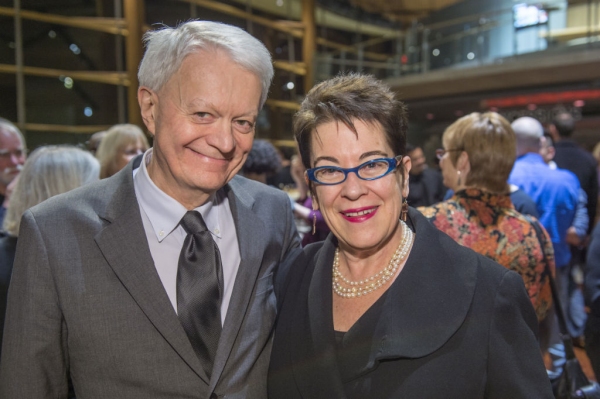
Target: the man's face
(418, 161)
(547, 150)
(203, 122)
(12, 157)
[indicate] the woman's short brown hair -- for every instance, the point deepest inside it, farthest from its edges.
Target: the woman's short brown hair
(348, 97)
(491, 144)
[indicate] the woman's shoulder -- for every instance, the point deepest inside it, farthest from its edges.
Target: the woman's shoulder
(433, 241)
(299, 262)
(440, 210)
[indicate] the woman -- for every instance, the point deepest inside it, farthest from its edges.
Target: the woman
(120, 145)
(387, 308)
(478, 156)
(48, 171)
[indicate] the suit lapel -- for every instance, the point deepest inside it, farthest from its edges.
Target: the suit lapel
(252, 244)
(125, 247)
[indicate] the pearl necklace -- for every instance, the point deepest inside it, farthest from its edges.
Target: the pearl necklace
(378, 280)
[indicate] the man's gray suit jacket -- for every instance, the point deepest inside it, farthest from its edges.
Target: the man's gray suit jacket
(85, 300)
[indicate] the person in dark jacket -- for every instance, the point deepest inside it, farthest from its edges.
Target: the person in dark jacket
(569, 156)
(388, 306)
(425, 184)
(592, 294)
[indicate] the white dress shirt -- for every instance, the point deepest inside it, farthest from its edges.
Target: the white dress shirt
(161, 215)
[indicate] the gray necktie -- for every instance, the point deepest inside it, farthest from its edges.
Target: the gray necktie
(199, 288)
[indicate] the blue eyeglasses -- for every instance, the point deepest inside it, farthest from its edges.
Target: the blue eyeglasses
(370, 170)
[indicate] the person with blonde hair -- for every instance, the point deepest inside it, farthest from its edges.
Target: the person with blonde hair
(120, 145)
(478, 156)
(49, 171)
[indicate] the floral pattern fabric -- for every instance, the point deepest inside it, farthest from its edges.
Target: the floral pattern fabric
(489, 224)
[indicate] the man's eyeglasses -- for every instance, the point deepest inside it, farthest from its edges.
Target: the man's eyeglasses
(370, 170)
(6, 154)
(440, 152)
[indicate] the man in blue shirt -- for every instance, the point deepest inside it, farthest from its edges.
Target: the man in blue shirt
(554, 191)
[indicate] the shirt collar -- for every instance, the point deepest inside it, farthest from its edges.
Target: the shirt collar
(163, 211)
(532, 157)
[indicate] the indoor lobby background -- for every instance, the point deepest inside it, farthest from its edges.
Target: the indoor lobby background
(68, 67)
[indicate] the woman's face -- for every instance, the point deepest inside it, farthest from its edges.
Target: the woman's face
(449, 172)
(128, 153)
(362, 214)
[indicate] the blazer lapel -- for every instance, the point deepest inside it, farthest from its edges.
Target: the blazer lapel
(428, 302)
(252, 244)
(124, 245)
(423, 308)
(320, 339)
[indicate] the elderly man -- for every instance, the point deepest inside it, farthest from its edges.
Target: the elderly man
(12, 158)
(555, 192)
(158, 281)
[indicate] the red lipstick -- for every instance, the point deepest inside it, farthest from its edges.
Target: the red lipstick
(359, 215)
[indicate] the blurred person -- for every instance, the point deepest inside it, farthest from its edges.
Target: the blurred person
(477, 158)
(13, 152)
(120, 145)
(570, 156)
(592, 295)
(283, 177)
(547, 150)
(426, 185)
(94, 141)
(157, 282)
(262, 162)
(388, 306)
(48, 171)
(556, 194)
(577, 233)
(305, 209)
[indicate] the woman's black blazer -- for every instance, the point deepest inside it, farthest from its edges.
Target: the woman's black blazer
(454, 324)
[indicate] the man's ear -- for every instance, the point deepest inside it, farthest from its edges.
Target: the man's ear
(147, 100)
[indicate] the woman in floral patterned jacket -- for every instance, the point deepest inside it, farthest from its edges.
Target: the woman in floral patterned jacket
(478, 155)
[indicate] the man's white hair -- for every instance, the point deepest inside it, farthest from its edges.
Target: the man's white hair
(166, 49)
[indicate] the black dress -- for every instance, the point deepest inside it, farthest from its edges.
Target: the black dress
(453, 325)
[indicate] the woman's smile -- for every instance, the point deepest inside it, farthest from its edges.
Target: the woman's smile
(359, 215)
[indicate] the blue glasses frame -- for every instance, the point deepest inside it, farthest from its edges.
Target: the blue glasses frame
(392, 164)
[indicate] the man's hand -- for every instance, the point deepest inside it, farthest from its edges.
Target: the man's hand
(573, 238)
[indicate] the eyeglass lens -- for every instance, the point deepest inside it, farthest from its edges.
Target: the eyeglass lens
(369, 170)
